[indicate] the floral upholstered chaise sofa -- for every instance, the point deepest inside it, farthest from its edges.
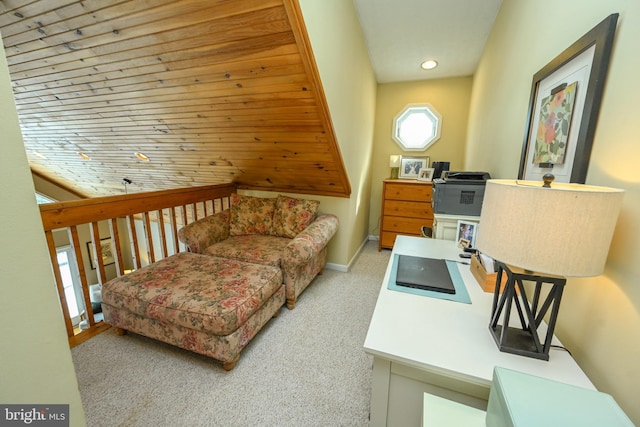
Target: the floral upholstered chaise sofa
(243, 264)
(284, 232)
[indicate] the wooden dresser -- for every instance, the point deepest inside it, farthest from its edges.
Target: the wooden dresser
(406, 207)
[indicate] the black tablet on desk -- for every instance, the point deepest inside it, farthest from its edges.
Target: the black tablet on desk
(429, 274)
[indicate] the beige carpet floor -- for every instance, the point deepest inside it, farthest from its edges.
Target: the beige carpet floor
(307, 367)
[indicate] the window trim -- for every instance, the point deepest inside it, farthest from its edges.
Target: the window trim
(428, 141)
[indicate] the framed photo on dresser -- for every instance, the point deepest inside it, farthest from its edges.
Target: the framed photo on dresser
(410, 167)
(426, 174)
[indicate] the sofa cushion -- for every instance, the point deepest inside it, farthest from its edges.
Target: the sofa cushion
(195, 291)
(266, 250)
(293, 215)
(250, 215)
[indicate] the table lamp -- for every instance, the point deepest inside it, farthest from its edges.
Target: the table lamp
(394, 164)
(541, 233)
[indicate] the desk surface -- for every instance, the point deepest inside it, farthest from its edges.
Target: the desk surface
(451, 338)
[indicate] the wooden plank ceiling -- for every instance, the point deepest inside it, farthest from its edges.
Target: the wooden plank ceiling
(210, 91)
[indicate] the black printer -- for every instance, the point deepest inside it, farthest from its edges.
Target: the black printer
(459, 193)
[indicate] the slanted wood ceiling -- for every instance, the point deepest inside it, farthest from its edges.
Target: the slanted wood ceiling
(210, 90)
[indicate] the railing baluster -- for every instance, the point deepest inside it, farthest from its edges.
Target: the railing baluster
(97, 247)
(75, 243)
(135, 249)
(163, 237)
(174, 229)
(59, 284)
(117, 251)
(149, 237)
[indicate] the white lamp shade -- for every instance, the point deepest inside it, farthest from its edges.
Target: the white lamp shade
(394, 161)
(565, 230)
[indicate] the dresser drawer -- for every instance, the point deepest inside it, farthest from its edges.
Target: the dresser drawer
(387, 240)
(403, 225)
(408, 209)
(400, 191)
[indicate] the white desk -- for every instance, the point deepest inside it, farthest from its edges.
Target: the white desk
(439, 412)
(421, 344)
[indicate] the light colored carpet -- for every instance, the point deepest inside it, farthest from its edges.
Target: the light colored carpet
(307, 367)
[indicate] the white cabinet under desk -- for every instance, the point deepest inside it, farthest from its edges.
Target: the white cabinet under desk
(422, 344)
(445, 226)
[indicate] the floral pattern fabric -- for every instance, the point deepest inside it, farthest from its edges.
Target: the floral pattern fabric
(251, 215)
(224, 348)
(201, 234)
(266, 250)
(300, 258)
(292, 215)
(198, 292)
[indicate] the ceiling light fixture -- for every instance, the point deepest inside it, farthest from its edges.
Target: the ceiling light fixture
(125, 182)
(429, 64)
(141, 156)
(38, 154)
(84, 156)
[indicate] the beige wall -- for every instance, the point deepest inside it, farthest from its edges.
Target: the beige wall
(599, 319)
(36, 363)
(350, 87)
(450, 97)
(50, 189)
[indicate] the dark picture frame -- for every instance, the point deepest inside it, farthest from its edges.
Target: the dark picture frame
(106, 248)
(588, 58)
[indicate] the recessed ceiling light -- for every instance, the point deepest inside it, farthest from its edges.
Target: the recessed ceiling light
(84, 156)
(141, 156)
(429, 64)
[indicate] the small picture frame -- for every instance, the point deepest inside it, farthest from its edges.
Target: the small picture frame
(464, 243)
(467, 231)
(426, 174)
(410, 166)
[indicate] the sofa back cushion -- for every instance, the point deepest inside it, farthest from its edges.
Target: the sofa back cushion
(292, 215)
(250, 215)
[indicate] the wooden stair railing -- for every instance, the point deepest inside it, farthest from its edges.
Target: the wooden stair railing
(135, 230)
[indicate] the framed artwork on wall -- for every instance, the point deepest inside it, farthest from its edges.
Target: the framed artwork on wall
(107, 252)
(410, 166)
(563, 108)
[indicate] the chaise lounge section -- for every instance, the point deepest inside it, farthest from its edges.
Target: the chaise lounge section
(208, 305)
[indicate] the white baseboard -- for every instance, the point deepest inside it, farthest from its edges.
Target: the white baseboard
(337, 267)
(345, 268)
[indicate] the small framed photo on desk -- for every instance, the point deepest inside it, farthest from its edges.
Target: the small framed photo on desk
(467, 231)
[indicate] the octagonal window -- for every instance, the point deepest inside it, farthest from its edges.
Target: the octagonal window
(417, 127)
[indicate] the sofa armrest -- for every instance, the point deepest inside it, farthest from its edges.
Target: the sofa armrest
(310, 241)
(204, 232)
